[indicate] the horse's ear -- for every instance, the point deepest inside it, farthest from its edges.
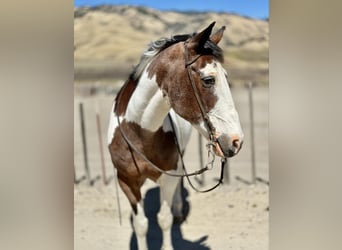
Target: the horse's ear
(198, 41)
(216, 38)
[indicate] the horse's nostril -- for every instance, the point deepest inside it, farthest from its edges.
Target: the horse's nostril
(230, 146)
(236, 144)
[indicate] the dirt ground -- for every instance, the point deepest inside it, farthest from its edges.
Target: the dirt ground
(234, 216)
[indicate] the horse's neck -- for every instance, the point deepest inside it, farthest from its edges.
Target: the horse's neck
(147, 107)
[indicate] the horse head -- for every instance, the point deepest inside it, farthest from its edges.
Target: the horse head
(195, 84)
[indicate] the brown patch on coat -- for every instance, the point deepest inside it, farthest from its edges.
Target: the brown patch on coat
(159, 147)
(173, 79)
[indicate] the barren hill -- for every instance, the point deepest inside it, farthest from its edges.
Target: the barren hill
(108, 40)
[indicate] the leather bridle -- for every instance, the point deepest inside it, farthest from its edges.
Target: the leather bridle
(210, 128)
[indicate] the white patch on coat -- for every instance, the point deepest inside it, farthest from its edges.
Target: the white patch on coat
(165, 219)
(140, 225)
(140, 98)
(223, 115)
(155, 112)
(147, 106)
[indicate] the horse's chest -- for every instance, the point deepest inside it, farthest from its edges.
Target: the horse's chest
(158, 147)
(162, 150)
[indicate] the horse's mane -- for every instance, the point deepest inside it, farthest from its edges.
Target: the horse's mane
(153, 49)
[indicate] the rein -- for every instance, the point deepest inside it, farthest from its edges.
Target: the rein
(210, 128)
(132, 146)
(187, 175)
(223, 163)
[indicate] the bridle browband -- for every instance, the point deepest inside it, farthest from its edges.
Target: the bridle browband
(210, 128)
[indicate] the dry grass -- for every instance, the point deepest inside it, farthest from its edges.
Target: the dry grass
(109, 40)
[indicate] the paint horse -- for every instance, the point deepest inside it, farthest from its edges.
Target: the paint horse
(179, 84)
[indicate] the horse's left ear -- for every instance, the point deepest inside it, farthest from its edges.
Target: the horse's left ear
(198, 41)
(216, 38)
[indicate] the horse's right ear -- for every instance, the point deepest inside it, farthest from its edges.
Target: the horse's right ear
(216, 38)
(197, 42)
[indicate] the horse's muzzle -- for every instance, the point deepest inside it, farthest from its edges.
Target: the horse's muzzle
(228, 146)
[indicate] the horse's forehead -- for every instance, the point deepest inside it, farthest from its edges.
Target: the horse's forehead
(204, 61)
(209, 69)
(212, 68)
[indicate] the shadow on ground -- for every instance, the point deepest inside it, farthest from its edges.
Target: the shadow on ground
(154, 234)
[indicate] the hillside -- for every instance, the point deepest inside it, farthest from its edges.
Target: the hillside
(108, 40)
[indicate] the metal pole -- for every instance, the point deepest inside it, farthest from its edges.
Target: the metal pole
(99, 133)
(84, 143)
(251, 117)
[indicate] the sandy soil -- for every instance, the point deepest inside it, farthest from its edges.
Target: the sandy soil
(234, 216)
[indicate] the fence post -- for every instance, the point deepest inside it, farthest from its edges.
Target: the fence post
(85, 151)
(84, 143)
(77, 181)
(99, 133)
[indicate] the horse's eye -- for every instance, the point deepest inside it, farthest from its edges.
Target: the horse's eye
(208, 81)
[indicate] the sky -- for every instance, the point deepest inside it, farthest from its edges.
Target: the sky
(251, 8)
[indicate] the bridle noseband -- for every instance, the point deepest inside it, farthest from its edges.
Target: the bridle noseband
(210, 128)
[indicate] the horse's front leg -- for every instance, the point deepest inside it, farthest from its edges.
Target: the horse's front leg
(168, 186)
(140, 223)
